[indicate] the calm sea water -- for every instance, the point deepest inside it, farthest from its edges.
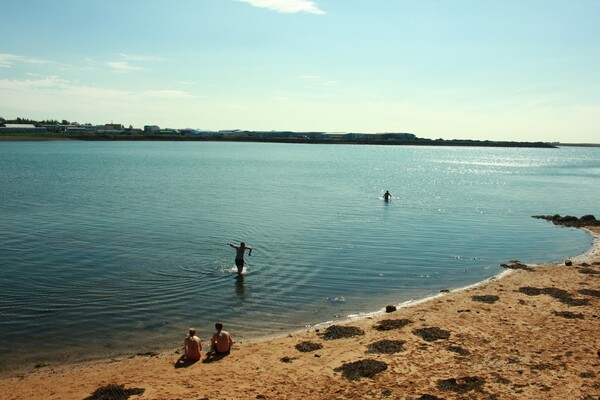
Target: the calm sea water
(110, 247)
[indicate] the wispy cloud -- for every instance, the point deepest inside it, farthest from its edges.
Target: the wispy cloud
(9, 60)
(287, 6)
(314, 79)
(122, 67)
(139, 57)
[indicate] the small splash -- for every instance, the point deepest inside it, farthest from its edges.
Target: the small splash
(340, 299)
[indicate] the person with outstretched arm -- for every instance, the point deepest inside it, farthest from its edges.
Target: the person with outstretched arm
(239, 255)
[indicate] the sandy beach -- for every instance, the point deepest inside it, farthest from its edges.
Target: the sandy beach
(533, 333)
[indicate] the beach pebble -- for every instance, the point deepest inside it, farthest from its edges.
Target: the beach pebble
(390, 308)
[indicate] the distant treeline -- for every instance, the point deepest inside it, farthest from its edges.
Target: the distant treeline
(50, 129)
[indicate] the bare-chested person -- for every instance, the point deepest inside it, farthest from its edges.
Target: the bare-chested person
(221, 340)
(192, 345)
(239, 255)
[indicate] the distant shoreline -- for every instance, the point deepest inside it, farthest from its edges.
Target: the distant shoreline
(214, 138)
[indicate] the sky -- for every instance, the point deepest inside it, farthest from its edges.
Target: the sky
(525, 70)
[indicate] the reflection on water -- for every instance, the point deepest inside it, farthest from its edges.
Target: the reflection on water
(239, 285)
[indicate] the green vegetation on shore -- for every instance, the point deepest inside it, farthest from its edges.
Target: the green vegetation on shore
(27, 129)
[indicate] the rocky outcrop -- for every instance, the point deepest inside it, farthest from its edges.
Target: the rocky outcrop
(569, 220)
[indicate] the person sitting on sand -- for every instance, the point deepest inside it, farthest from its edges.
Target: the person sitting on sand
(221, 341)
(192, 345)
(239, 255)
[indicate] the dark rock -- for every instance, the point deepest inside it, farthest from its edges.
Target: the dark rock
(428, 397)
(361, 369)
(568, 263)
(515, 264)
(286, 359)
(390, 308)
(569, 220)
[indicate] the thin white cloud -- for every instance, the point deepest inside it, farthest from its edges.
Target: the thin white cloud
(122, 66)
(139, 57)
(9, 60)
(287, 6)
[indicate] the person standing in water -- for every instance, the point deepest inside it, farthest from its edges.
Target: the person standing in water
(239, 255)
(387, 196)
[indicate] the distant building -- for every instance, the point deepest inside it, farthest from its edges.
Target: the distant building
(151, 128)
(22, 128)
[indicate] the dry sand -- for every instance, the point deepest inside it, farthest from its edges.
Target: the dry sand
(532, 334)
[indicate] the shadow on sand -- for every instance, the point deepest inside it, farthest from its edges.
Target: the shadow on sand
(212, 357)
(184, 362)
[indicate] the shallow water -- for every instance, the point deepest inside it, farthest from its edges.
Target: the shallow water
(112, 247)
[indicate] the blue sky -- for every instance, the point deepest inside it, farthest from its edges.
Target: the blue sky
(498, 70)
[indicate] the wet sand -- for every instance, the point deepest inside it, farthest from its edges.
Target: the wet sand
(534, 333)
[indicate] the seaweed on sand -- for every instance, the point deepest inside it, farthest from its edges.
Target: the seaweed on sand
(386, 346)
(568, 315)
(590, 292)
(432, 334)
(340, 332)
(113, 391)
(487, 298)
(561, 295)
(306, 347)
(588, 271)
(461, 385)
(361, 369)
(459, 350)
(389, 324)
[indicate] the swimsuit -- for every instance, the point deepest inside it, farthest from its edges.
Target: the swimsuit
(239, 262)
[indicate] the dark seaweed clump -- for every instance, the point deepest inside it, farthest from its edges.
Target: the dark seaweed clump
(461, 385)
(588, 271)
(428, 397)
(341, 332)
(590, 292)
(562, 295)
(361, 369)
(306, 347)
(113, 392)
(488, 298)
(568, 315)
(432, 334)
(459, 350)
(386, 346)
(389, 324)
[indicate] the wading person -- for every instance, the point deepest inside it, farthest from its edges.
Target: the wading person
(239, 255)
